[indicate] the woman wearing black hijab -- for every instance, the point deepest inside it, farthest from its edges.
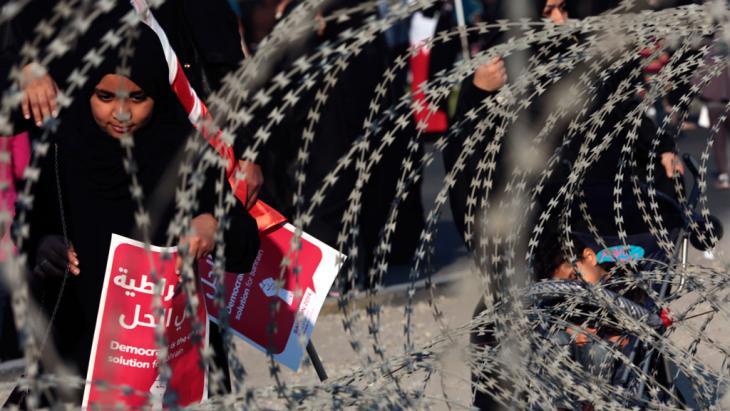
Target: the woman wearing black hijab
(84, 190)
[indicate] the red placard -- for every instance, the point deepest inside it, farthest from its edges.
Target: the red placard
(124, 353)
(300, 296)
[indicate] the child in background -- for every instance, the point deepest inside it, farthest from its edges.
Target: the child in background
(591, 345)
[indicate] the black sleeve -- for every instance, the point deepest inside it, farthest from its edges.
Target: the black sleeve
(648, 131)
(17, 123)
(42, 218)
(242, 239)
(470, 97)
(13, 33)
(9, 49)
(214, 30)
(241, 235)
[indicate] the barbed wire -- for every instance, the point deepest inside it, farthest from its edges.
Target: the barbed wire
(256, 98)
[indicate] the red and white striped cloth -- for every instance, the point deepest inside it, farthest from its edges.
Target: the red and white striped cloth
(198, 114)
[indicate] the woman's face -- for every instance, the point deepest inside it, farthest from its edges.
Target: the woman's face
(119, 106)
(555, 11)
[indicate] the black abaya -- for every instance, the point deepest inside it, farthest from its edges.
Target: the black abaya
(94, 189)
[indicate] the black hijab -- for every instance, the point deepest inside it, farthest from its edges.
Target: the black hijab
(156, 144)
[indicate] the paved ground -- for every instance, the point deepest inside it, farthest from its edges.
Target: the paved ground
(333, 344)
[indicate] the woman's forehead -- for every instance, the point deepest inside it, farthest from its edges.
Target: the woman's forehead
(116, 82)
(553, 4)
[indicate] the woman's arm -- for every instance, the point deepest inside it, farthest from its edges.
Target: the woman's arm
(240, 233)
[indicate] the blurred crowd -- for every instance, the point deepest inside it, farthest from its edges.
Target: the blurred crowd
(212, 39)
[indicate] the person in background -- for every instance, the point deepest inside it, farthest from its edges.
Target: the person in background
(16, 150)
(340, 124)
(487, 80)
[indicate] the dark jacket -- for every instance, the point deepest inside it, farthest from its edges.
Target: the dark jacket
(600, 172)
